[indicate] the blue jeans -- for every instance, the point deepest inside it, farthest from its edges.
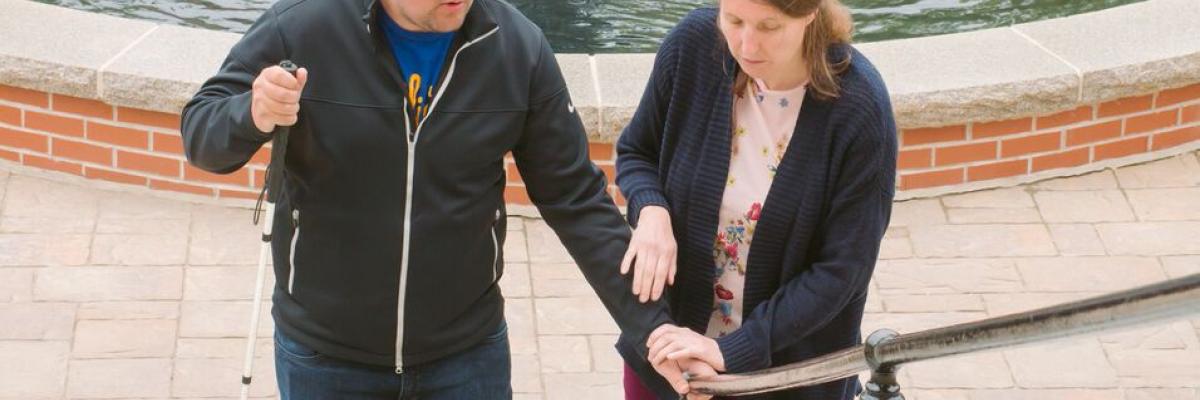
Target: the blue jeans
(481, 372)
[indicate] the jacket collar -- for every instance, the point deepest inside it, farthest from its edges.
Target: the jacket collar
(479, 19)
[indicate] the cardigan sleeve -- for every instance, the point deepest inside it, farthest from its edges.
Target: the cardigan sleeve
(850, 237)
(640, 146)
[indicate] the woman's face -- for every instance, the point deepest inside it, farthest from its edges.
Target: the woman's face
(765, 41)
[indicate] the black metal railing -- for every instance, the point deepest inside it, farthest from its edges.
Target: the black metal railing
(885, 350)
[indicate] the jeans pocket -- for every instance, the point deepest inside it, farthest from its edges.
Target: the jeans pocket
(501, 333)
(294, 349)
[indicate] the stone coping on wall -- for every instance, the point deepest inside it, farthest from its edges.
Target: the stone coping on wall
(991, 74)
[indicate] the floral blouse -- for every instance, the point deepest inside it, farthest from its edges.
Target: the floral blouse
(764, 121)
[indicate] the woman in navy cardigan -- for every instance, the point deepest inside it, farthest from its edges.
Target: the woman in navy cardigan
(816, 234)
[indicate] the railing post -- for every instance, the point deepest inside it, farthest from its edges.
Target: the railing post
(883, 384)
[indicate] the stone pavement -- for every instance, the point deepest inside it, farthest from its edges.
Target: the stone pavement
(106, 294)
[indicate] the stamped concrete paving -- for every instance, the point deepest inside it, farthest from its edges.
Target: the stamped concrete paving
(115, 295)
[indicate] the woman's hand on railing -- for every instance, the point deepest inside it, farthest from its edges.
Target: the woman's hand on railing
(670, 342)
(675, 350)
(652, 254)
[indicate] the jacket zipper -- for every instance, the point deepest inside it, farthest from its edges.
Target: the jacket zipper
(292, 252)
(412, 137)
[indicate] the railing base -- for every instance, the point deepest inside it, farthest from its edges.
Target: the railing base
(882, 386)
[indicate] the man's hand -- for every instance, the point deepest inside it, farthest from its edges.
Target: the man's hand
(673, 343)
(673, 374)
(275, 98)
(673, 371)
(697, 369)
(653, 250)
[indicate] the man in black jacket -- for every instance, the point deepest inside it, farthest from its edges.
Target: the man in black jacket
(390, 229)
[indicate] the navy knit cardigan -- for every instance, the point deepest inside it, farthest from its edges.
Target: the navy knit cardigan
(818, 238)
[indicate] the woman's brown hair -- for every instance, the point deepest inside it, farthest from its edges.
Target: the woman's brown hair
(832, 26)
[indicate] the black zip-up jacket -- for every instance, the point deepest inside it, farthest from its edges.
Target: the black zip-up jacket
(388, 237)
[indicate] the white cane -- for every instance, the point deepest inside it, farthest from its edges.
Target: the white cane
(273, 188)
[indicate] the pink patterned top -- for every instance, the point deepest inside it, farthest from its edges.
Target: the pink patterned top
(764, 121)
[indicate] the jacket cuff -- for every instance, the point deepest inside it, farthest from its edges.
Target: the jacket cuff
(244, 119)
(740, 353)
(642, 199)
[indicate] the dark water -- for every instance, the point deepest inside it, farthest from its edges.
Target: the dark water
(631, 26)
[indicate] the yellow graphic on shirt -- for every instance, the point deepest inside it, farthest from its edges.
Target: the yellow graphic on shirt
(418, 105)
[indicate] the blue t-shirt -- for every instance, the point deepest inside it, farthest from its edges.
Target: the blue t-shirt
(420, 55)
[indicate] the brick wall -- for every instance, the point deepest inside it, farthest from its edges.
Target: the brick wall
(978, 151)
(137, 147)
(99, 141)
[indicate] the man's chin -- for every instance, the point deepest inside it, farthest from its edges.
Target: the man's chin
(450, 24)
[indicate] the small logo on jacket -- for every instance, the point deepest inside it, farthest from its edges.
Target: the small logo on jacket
(570, 108)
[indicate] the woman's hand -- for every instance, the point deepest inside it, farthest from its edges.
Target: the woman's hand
(652, 252)
(672, 343)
